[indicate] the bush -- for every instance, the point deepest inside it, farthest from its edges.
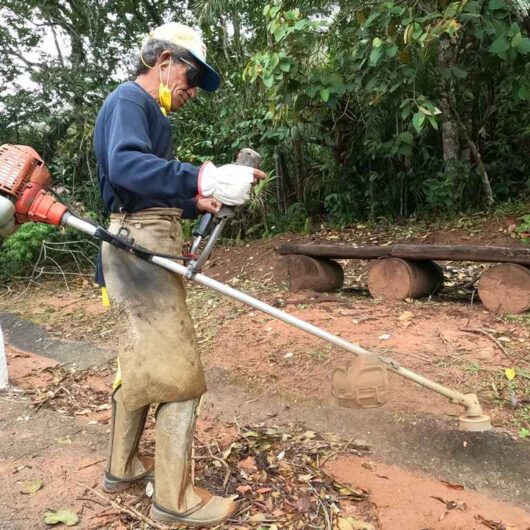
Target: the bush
(20, 252)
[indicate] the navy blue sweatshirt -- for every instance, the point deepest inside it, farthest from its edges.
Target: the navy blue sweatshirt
(134, 151)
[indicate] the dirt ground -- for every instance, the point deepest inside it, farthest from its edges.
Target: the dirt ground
(55, 419)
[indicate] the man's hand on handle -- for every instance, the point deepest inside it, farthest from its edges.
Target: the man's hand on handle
(229, 184)
(208, 204)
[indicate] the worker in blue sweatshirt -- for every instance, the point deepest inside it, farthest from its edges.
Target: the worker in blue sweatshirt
(147, 192)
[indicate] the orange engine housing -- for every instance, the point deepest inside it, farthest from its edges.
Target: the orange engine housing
(25, 177)
(20, 164)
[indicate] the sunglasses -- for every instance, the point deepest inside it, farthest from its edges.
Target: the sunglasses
(192, 73)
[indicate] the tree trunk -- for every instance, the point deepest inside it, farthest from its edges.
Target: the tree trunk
(474, 152)
(299, 168)
(450, 138)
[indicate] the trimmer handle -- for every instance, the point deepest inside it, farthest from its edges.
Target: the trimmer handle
(248, 157)
(201, 228)
(245, 157)
(211, 225)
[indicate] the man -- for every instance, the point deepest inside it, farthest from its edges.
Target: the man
(147, 191)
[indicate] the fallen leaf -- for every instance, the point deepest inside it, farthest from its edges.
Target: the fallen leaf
(257, 518)
(149, 489)
(405, 316)
(309, 435)
(250, 434)
(491, 524)
(31, 486)
(457, 505)
(439, 499)
(303, 504)
(248, 464)
(226, 452)
(67, 517)
(510, 374)
(344, 524)
(452, 505)
(305, 478)
(359, 524)
(346, 491)
(452, 485)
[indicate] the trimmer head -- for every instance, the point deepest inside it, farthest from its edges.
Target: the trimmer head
(362, 383)
(479, 423)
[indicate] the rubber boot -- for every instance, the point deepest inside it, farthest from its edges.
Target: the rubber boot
(124, 465)
(176, 500)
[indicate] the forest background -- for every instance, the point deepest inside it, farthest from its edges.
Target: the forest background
(360, 109)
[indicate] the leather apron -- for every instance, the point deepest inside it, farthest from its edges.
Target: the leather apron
(159, 355)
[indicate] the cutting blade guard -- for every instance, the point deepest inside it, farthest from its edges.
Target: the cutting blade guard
(362, 383)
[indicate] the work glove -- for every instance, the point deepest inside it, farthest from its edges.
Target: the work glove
(229, 184)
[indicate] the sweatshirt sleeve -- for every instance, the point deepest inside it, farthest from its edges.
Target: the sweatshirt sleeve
(189, 208)
(133, 167)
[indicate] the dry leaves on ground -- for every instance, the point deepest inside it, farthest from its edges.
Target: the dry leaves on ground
(278, 477)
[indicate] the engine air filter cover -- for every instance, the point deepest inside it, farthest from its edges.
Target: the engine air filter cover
(20, 164)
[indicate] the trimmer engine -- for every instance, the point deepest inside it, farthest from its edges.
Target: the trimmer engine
(24, 181)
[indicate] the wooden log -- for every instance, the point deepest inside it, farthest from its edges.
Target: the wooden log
(505, 289)
(324, 250)
(412, 252)
(398, 279)
(462, 253)
(303, 272)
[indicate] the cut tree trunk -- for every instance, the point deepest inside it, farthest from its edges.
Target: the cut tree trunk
(505, 289)
(302, 272)
(398, 279)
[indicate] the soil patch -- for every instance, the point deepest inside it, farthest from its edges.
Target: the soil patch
(408, 500)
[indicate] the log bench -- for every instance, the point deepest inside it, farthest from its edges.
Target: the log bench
(400, 271)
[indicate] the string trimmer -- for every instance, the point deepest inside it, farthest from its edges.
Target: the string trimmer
(24, 197)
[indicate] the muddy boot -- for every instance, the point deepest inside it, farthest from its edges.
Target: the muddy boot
(124, 465)
(176, 500)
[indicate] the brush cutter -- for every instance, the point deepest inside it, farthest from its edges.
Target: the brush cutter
(24, 196)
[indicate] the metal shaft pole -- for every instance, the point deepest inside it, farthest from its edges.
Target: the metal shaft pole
(4, 381)
(392, 365)
(469, 401)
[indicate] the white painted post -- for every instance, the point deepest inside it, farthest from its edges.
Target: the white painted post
(3, 363)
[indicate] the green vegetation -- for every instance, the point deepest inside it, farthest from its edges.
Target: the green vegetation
(361, 109)
(510, 389)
